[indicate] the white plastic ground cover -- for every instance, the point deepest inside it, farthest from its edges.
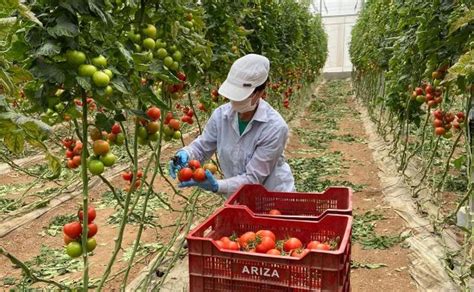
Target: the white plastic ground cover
(426, 250)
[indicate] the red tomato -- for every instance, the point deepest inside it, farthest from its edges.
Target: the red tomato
(194, 164)
(199, 174)
(181, 76)
(153, 113)
(266, 233)
(116, 129)
(460, 115)
(274, 212)
(419, 91)
(232, 245)
(247, 238)
(68, 142)
(219, 243)
(185, 174)
(190, 113)
(91, 214)
(440, 131)
(76, 160)
(73, 229)
(69, 154)
(437, 123)
(168, 118)
(67, 239)
(292, 243)
(71, 164)
(266, 244)
(91, 229)
(299, 253)
(313, 244)
(323, 246)
(139, 173)
(438, 114)
(273, 252)
(174, 124)
(127, 176)
(78, 148)
(225, 239)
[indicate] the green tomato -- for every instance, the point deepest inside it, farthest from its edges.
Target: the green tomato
(108, 159)
(108, 72)
(149, 43)
(108, 90)
(168, 61)
(120, 139)
(177, 56)
(154, 137)
(161, 53)
(59, 107)
(448, 135)
(86, 70)
(137, 48)
(134, 37)
(142, 132)
(160, 44)
(167, 130)
(174, 66)
(142, 141)
(173, 48)
(91, 244)
(74, 249)
(167, 138)
(188, 24)
(177, 135)
(75, 58)
(100, 79)
(96, 167)
(99, 61)
(420, 98)
(150, 31)
(148, 56)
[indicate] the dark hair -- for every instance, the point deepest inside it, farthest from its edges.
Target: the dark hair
(261, 87)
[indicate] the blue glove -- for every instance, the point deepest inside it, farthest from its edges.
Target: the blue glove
(210, 184)
(179, 161)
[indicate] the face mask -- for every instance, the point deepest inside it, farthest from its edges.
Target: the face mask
(244, 105)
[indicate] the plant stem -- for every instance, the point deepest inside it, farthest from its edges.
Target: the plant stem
(85, 193)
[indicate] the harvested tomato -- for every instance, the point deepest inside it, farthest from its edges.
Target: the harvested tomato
(247, 238)
(267, 243)
(323, 246)
(73, 229)
(313, 244)
(185, 174)
(299, 253)
(292, 243)
(199, 174)
(274, 212)
(266, 233)
(232, 245)
(219, 243)
(194, 164)
(225, 239)
(273, 252)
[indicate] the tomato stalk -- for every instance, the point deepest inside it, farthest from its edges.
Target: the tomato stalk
(425, 171)
(407, 135)
(420, 145)
(85, 193)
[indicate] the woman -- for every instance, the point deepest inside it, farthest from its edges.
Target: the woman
(248, 135)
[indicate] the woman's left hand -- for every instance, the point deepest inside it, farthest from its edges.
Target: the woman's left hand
(210, 184)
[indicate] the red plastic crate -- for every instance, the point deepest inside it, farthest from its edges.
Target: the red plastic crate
(334, 200)
(213, 269)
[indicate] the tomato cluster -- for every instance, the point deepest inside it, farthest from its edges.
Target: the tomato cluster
(102, 158)
(176, 89)
(73, 152)
(444, 121)
(73, 231)
(171, 129)
(149, 130)
(429, 94)
(128, 176)
(265, 241)
(195, 171)
(100, 78)
(116, 136)
(188, 115)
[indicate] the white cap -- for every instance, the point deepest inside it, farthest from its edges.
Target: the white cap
(245, 74)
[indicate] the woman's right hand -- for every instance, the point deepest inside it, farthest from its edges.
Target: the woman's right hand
(179, 161)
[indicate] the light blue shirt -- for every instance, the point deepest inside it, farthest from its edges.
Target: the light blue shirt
(256, 156)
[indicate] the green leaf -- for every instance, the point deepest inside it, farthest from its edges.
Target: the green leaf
(54, 165)
(15, 141)
(20, 75)
(48, 49)
(462, 21)
(459, 162)
(84, 82)
(50, 72)
(63, 27)
(26, 13)
(356, 265)
(121, 85)
(125, 53)
(103, 122)
(463, 67)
